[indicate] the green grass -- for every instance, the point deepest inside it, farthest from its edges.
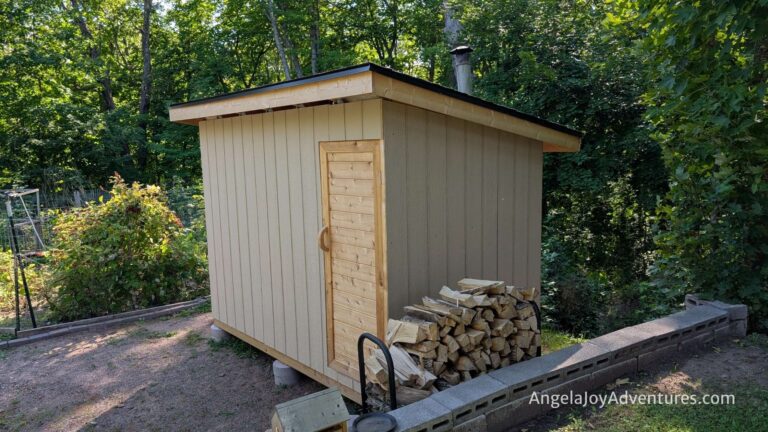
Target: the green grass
(142, 332)
(199, 309)
(192, 338)
(553, 340)
(748, 414)
(159, 335)
(757, 340)
(238, 347)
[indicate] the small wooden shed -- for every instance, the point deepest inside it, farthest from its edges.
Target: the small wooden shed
(334, 200)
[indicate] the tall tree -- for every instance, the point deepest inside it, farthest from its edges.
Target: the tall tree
(145, 93)
(270, 9)
(107, 99)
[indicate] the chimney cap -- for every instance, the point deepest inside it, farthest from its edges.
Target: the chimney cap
(461, 49)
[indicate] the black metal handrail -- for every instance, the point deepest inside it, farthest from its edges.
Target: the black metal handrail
(537, 311)
(390, 370)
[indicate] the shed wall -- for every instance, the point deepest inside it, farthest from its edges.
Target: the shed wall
(262, 198)
(463, 200)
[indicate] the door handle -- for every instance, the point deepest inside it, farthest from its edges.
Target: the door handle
(321, 239)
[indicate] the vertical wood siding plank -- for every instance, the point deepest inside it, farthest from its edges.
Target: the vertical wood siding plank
(206, 138)
(241, 195)
(395, 163)
(298, 227)
(490, 202)
(309, 181)
(474, 201)
(436, 203)
(321, 129)
(262, 220)
(253, 260)
(456, 207)
(416, 178)
(372, 119)
(233, 137)
(336, 123)
(536, 162)
(274, 221)
(353, 120)
(522, 156)
(336, 130)
(506, 257)
(286, 256)
(221, 218)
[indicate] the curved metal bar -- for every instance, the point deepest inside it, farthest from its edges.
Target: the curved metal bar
(537, 311)
(390, 370)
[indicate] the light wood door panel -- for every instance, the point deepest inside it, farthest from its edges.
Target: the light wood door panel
(352, 239)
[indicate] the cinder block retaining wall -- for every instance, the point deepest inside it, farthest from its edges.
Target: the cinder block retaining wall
(499, 400)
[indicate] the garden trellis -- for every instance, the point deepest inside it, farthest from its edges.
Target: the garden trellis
(33, 220)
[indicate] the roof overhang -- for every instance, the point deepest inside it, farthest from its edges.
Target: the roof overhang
(371, 81)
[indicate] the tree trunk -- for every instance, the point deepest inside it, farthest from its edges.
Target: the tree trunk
(452, 31)
(146, 83)
(278, 39)
(290, 50)
(314, 35)
(107, 100)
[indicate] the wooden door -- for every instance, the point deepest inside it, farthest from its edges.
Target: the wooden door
(353, 245)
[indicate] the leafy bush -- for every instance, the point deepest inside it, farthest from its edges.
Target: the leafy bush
(35, 280)
(128, 253)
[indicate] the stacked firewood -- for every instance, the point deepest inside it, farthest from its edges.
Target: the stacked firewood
(484, 325)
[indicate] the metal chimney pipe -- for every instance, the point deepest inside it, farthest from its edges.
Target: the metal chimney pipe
(462, 68)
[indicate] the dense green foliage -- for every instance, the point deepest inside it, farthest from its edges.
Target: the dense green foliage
(36, 275)
(553, 59)
(667, 195)
(128, 253)
(708, 67)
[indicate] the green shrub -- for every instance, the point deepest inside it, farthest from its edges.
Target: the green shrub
(35, 279)
(128, 253)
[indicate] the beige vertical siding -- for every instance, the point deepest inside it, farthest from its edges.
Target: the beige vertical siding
(462, 200)
(262, 195)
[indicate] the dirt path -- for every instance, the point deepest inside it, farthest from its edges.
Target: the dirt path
(158, 375)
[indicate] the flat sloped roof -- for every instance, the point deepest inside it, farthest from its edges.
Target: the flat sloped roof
(370, 80)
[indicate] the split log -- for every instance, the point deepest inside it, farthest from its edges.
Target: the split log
(425, 315)
(429, 329)
(450, 343)
(452, 377)
(403, 331)
(376, 371)
(475, 336)
(464, 363)
(458, 298)
(463, 340)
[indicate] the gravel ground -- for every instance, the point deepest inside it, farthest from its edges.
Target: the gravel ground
(158, 375)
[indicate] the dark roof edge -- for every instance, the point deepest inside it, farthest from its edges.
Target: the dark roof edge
(398, 76)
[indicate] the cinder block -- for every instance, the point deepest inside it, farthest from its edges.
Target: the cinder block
(692, 301)
(610, 373)
(647, 361)
(578, 385)
(472, 398)
(739, 328)
(425, 415)
(625, 343)
(477, 424)
(550, 370)
(697, 342)
(735, 311)
(511, 414)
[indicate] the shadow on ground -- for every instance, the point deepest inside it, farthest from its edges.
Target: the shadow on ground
(157, 375)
